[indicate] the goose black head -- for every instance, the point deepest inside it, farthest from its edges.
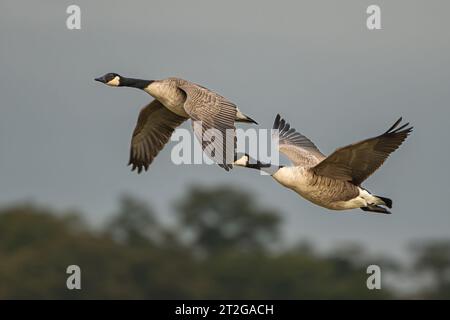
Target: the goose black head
(110, 79)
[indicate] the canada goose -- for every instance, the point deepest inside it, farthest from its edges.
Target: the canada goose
(176, 100)
(333, 182)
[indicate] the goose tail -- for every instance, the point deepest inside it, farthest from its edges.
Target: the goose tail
(375, 203)
(240, 117)
(375, 208)
(387, 201)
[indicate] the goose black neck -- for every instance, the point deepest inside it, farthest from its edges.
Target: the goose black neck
(134, 83)
(266, 167)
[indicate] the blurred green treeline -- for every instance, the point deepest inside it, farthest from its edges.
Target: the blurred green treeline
(223, 245)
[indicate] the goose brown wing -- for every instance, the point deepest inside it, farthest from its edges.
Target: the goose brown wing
(153, 130)
(356, 162)
(213, 119)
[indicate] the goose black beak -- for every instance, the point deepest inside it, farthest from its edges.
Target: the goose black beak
(100, 79)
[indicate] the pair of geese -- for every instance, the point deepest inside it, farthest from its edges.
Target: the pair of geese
(333, 182)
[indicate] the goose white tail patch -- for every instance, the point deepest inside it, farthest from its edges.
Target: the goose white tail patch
(240, 115)
(369, 198)
(242, 161)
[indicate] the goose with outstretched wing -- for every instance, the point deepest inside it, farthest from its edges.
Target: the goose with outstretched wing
(333, 182)
(176, 100)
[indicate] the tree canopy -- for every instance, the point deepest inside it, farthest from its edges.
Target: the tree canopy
(223, 245)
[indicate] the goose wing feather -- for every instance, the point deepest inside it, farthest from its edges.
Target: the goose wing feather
(153, 130)
(356, 162)
(299, 149)
(213, 119)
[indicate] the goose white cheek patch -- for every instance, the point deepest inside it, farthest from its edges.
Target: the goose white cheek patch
(114, 82)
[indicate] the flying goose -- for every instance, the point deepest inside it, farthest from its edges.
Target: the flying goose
(177, 100)
(333, 182)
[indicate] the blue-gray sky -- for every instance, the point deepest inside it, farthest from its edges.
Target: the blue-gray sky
(64, 138)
